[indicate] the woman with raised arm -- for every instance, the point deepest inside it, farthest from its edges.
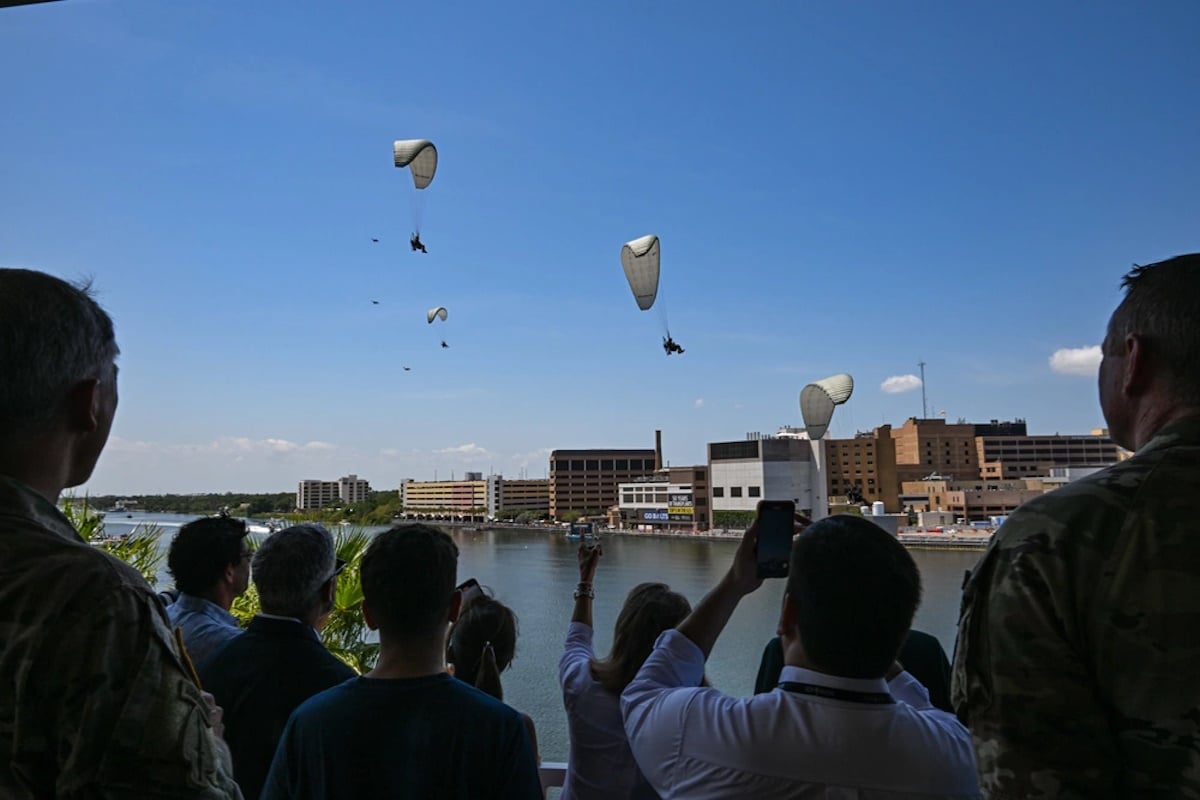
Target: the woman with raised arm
(600, 764)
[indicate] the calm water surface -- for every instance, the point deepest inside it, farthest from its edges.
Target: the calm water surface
(535, 573)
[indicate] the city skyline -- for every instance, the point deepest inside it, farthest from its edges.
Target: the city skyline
(836, 188)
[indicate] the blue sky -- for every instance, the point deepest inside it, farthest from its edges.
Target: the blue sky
(837, 187)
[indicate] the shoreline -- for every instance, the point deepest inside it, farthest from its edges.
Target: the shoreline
(912, 540)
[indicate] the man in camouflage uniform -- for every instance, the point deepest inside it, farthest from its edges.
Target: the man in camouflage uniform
(94, 699)
(1078, 657)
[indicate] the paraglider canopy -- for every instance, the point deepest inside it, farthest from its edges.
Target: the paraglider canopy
(420, 156)
(639, 259)
(436, 313)
(817, 401)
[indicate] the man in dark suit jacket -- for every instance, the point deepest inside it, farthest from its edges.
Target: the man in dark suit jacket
(260, 677)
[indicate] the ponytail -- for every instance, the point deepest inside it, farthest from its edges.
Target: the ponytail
(487, 678)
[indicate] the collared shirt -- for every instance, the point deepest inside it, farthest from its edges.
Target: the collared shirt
(600, 764)
(94, 698)
(1078, 647)
(206, 626)
(699, 743)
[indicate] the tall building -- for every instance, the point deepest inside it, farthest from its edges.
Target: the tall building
(525, 494)
(353, 489)
(314, 494)
(866, 462)
(1004, 457)
(470, 498)
(741, 473)
(931, 446)
(586, 481)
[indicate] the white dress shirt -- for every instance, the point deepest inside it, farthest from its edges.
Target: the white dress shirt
(698, 743)
(600, 766)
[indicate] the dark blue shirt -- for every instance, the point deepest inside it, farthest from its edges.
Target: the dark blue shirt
(404, 738)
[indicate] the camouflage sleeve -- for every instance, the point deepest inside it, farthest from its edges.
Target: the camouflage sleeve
(1020, 683)
(128, 719)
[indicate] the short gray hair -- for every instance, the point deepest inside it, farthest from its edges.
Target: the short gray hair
(53, 334)
(290, 566)
(1162, 305)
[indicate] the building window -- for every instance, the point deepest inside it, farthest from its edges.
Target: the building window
(698, 475)
(718, 491)
(606, 464)
(735, 491)
(592, 465)
(576, 465)
(622, 463)
(753, 491)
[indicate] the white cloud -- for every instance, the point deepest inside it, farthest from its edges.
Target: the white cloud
(470, 449)
(1076, 360)
(699, 403)
(900, 383)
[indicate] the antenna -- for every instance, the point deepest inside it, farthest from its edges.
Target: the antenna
(924, 403)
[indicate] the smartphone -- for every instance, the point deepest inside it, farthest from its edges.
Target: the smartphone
(470, 590)
(776, 526)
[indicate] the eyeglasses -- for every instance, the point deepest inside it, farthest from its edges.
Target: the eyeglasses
(337, 569)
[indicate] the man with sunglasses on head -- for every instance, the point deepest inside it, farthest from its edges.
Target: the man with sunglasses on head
(210, 562)
(260, 677)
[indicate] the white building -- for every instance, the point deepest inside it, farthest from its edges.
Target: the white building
(766, 468)
(655, 503)
(312, 494)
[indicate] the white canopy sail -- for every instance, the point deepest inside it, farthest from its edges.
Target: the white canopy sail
(420, 156)
(640, 260)
(436, 313)
(818, 399)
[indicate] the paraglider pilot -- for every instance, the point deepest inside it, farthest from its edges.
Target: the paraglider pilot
(670, 346)
(415, 243)
(444, 345)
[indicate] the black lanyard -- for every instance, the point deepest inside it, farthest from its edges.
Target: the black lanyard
(849, 695)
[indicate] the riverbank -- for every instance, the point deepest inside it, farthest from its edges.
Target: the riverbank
(915, 539)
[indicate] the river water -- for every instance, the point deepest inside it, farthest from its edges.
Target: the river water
(535, 572)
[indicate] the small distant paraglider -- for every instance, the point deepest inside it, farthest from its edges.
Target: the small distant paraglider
(420, 156)
(437, 313)
(374, 302)
(373, 239)
(408, 369)
(640, 259)
(818, 399)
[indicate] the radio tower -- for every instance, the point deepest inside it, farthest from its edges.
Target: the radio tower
(924, 404)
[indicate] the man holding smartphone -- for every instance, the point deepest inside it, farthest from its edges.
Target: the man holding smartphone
(845, 713)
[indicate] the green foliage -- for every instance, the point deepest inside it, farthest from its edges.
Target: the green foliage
(238, 503)
(570, 515)
(346, 629)
(733, 520)
(139, 549)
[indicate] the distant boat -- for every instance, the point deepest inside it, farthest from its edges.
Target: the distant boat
(580, 531)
